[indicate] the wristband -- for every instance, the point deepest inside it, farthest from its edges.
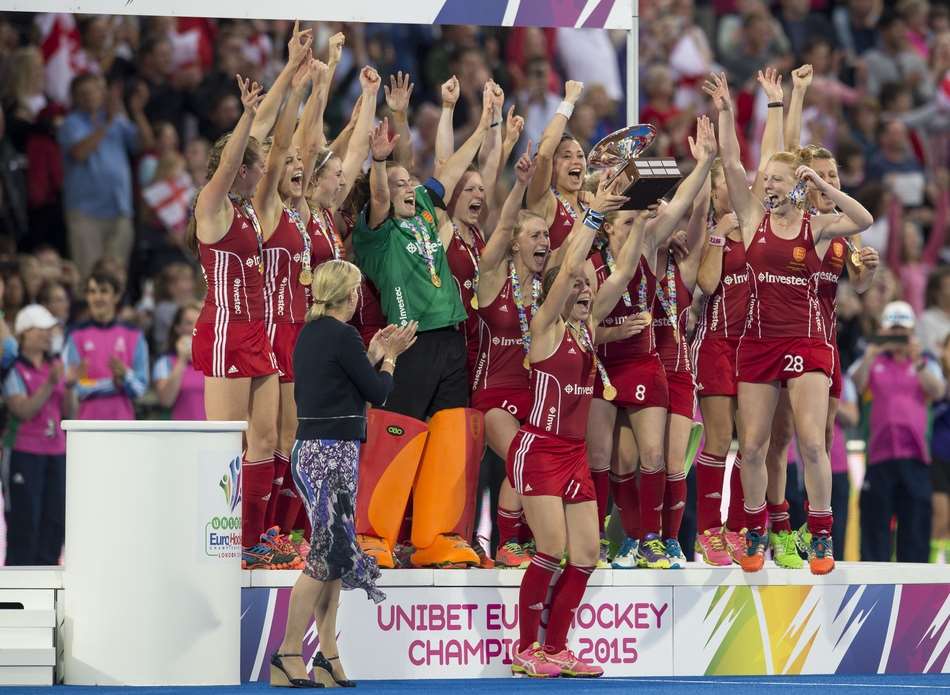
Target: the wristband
(495, 124)
(776, 104)
(717, 240)
(380, 161)
(390, 360)
(594, 220)
(566, 109)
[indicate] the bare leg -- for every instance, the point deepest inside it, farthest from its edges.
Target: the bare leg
(546, 515)
(500, 428)
(261, 428)
(776, 460)
(582, 533)
(719, 416)
(757, 404)
(325, 620)
(287, 419)
(305, 595)
(809, 398)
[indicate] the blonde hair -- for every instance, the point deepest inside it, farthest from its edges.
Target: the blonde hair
(523, 217)
(333, 281)
(792, 159)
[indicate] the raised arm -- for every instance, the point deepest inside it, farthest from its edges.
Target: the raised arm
(490, 262)
(359, 144)
(267, 113)
(445, 135)
(772, 138)
(696, 235)
(212, 205)
(744, 203)
(710, 266)
(540, 198)
(381, 146)
(628, 259)
(490, 155)
(450, 172)
(514, 126)
(801, 80)
(309, 137)
(341, 142)
(398, 94)
(854, 218)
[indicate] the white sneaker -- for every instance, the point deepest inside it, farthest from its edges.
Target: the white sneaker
(626, 557)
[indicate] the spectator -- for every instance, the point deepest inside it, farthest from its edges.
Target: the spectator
(535, 102)
(934, 326)
(901, 381)
(588, 56)
(156, 67)
(756, 48)
(56, 298)
(176, 288)
(97, 141)
(196, 161)
(167, 202)
(802, 26)
(38, 397)
(896, 157)
(855, 25)
(178, 384)
(108, 361)
(894, 60)
(13, 186)
(940, 450)
(166, 142)
(916, 14)
(8, 345)
(907, 253)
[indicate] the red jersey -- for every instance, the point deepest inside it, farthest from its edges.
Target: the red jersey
(723, 313)
(286, 299)
(564, 216)
(232, 270)
(327, 245)
(499, 362)
(783, 285)
(832, 266)
(562, 387)
(672, 348)
(368, 317)
(463, 261)
(640, 295)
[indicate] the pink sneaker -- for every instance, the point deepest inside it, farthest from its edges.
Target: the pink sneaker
(533, 662)
(735, 543)
(571, 666)
(712, 546)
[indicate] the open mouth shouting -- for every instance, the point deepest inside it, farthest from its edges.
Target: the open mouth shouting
(575, 175)
(475, 208)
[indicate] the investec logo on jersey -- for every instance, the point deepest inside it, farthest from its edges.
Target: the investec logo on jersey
(825, 276)
(281, 296)
(793, 280)
(506, 342)
(236, 293)
(735, 279)
(578, 390)
(664, 321)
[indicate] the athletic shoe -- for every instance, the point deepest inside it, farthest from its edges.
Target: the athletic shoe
(785, 550)
(283, 545)
(484, 560)
(803, 540)
(571, 666)
(652, 553)
(602, 562)
(264, 556)
(754, 558)
(675, 553)
(821, 559)
(511, 554)
(533, 663)
(530, 547)
(377, 549)
(712, 546)
(735, 544)
(626, 557)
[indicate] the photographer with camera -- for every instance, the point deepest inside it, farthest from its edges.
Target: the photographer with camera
(901, 381)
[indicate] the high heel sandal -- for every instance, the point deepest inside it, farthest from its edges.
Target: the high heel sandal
(281, 679)
(322, 663)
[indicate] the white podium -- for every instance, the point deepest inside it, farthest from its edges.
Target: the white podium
(152, 578)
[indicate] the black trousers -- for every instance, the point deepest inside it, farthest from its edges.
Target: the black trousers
(901, 487)
(431, 375)
(36, 517)
(840, 496)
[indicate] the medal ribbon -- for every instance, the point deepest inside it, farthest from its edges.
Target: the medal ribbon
(421, 233)
(520, 305)
(566, 203)
(248, 211)
(612, 266)
(585, 340)
(294, 215)
(667, 296)
(473, 255)
(328, 232)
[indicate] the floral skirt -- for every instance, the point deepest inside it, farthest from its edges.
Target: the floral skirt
(325, 473)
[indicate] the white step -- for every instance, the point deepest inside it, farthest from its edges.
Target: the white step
(37, 608)
(28, 657)
(26, 638)
(26, 675)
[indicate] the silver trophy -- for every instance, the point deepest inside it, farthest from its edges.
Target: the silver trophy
(645, 180)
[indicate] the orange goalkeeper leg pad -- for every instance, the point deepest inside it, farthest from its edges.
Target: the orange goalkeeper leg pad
(388, 465)
(443, 501)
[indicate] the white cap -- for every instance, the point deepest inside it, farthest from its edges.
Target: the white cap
(897, 315)
(33, 316)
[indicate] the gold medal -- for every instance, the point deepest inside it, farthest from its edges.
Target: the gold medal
(474, 302)
(436, 280)
(647, 316)
(610, 392)
(306, 277)
(527, 363)
(856, 259)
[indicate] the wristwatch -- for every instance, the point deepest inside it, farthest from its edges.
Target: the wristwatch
(717, 240)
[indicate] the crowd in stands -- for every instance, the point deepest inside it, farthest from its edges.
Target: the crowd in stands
(106, 125)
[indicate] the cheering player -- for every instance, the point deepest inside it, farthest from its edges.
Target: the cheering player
(786, 338)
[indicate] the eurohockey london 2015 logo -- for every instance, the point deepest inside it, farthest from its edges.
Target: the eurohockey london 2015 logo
(223, 531)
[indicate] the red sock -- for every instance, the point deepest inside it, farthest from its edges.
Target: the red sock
(568, 593)
(674, 504)
(524, 531)
(756, 518)
(627, 499)
(281, 472)
(778, 516)
(736, 518)
(257, 478)
(534, 589)
(819, 522)
(602, 489)
(710, 471)
(509, 525)
(652, 489)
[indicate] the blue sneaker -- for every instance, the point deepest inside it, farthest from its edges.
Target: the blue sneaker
(675, 553)
(626, 557)
(652, 553)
